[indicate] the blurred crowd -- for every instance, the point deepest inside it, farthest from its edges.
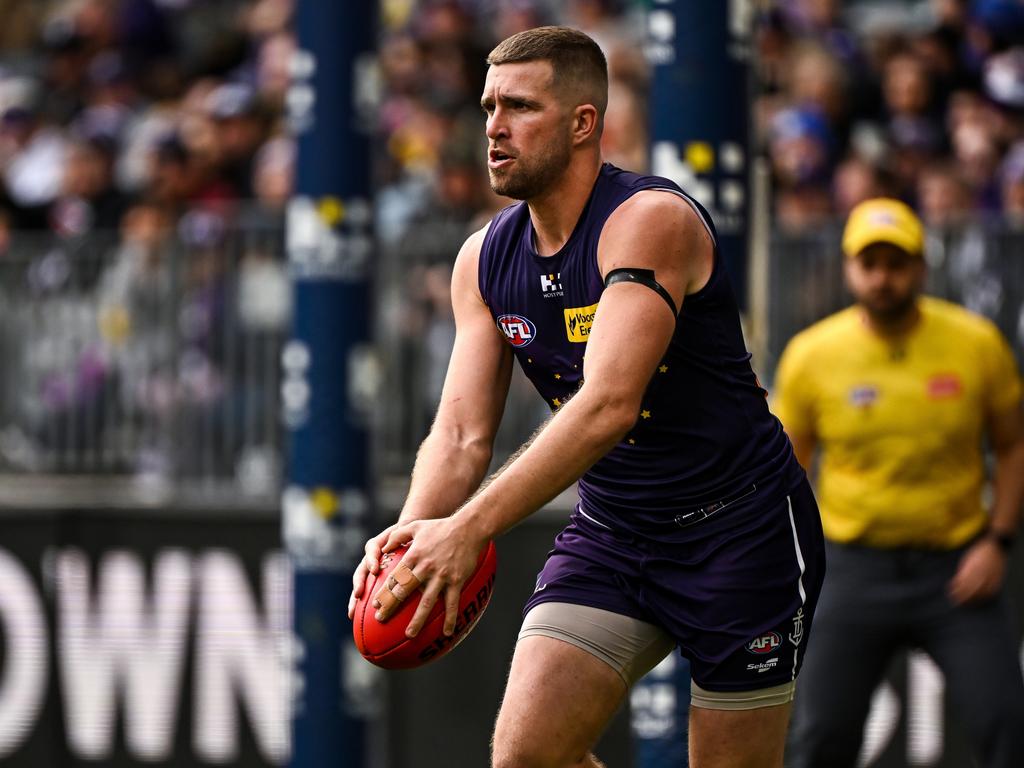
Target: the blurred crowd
(145, 166)
(106, 105)
(135, 132)
(923, 101)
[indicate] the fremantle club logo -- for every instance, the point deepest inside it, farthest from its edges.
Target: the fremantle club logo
(797, 635)
(518, 330)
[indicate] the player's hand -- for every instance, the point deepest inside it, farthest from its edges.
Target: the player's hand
(442, 556)
(369, 564)
(980, 573)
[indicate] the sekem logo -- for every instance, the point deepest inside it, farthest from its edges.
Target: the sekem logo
(518, 330)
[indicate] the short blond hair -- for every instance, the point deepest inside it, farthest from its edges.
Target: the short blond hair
(578, 63)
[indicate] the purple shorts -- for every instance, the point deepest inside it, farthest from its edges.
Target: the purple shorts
(737, 594)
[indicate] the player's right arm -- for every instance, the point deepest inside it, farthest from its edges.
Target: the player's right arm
(453, 459)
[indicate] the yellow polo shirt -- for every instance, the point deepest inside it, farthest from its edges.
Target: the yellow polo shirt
(899, 424)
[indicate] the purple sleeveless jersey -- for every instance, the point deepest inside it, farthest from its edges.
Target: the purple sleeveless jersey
(704, 432)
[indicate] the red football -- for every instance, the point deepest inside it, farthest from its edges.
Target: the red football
(386, 644)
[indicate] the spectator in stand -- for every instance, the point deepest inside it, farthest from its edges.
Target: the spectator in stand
(32, 156)
(907, 91)
(854, 181)
(817, 81)
(1011, 184)
(820, 20)
(976, 154)
(89, 200)
(239, 131)
(801, 148)
(913, 143)
(944, 196)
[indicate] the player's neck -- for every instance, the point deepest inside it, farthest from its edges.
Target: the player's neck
(554, 214)
(892, 327)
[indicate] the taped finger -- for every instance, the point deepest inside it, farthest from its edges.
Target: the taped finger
(388, 602)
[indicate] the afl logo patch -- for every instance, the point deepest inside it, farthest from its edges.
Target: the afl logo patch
(517, 329)
(765, 643)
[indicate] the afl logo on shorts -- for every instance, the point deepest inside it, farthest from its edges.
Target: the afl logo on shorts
(517, 329)
(765, 643)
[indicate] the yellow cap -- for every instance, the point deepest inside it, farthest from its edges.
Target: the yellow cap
(883, 220)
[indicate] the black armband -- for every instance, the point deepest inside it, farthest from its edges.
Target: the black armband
(644, 277)
(1003, 539)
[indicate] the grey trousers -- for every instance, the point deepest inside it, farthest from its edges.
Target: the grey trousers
(876, 603)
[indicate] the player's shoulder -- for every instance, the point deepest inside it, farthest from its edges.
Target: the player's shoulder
(470, 250)
(954, 321)
(649, 212)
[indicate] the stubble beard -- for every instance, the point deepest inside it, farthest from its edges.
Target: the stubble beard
(529, 178)
(891, 312)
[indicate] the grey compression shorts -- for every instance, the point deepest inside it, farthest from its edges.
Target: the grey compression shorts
(633, 648)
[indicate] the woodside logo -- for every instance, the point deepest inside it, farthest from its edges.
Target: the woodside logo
(578, 321)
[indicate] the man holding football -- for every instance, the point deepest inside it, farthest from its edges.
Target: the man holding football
(696, 528)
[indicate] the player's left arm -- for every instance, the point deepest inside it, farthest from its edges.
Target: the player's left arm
(983, 567)
(631, 331)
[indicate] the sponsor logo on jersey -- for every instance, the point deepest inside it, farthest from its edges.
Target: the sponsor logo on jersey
(763, 666)
(551, 285)
(943, 386)
(863, 396)
(517, 329)
(578, 321)
(765, 643)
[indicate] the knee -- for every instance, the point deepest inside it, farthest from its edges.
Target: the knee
(507, 754)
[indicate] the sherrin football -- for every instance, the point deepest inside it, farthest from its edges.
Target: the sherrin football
(386, 644)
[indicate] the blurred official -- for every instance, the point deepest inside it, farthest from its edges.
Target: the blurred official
(899, 392)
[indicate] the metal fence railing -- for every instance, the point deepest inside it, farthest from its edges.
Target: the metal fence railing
(155, 357)
(978, 266)
(159, 359)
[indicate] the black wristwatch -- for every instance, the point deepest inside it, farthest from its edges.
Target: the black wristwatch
(1004, 540)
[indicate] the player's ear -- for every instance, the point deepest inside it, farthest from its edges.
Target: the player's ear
(584, 123)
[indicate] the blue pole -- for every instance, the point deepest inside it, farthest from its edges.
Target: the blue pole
(659, 706)
(699, 52)
(326, 504)
(700, 56)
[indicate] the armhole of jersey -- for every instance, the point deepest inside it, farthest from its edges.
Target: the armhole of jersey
(706, 221)
(483, 266)
(693, 204)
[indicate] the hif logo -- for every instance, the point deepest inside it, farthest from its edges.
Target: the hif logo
(517, 329)
(765, 643)
(551, 283)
